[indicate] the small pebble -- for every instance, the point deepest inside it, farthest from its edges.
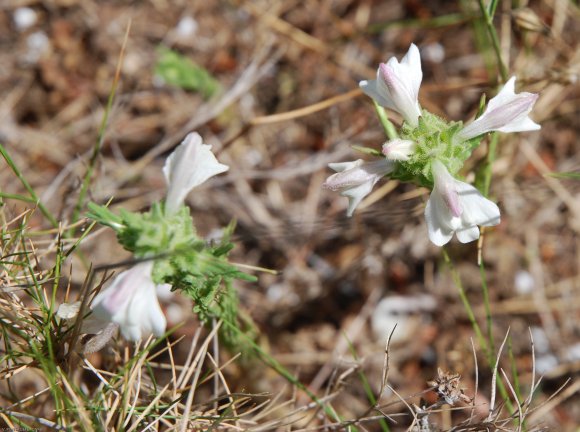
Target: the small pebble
(24, 18)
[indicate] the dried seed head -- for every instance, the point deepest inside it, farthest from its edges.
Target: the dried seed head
(446, 385)
(526, 19)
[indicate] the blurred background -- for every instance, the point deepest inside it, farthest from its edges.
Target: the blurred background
(236, 72)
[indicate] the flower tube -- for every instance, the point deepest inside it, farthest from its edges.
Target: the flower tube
(356, 179)
(397, 85)
(506, 112)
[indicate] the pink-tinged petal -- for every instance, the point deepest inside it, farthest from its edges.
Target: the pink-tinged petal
(437, 226)
(372, 90)
(455, 206)
(445, 188)
(399, 149)
(131, 302)
(190, 165)
(397, 85)
(356, 179)
(506, 112)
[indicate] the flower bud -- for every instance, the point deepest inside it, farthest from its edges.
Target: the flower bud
(399, 149)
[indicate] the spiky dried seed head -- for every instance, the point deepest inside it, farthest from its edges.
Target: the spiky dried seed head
(446, 385)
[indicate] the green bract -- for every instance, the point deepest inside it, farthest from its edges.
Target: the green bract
(435, 139)
(188, 263)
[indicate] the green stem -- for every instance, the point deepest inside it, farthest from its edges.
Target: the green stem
(27, 186)
(488, 20)
(388, 126)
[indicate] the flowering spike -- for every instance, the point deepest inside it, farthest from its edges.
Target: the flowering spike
(397, 85)
(356, 179)
(190, 164)
(131, 302)
(456, 207)
(506, 112)
(399, 149)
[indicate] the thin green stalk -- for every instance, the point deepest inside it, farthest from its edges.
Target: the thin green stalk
(434, 22)
(27, 186)
(489, 354)
(487, 305)
(470, 314)
(385, 122)
(488, 20)
(366, 386)
(101, 134)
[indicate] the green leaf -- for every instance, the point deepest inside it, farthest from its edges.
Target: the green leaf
(566, 175)
(177, 70)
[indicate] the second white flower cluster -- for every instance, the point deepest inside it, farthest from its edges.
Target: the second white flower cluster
(430, 151)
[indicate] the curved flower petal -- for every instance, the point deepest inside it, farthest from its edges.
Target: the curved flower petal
(506, 112)
(397, 85)
(131, 302)
(356, 179)
(456, 207)
(190, 164)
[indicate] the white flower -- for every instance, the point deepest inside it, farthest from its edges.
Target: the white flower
(356, 179)
(190, 164)
(131, 302)
(456, 207)
(506, 112)
(399, 149)
(397, 85)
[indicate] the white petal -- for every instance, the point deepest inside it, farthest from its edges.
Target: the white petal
(506, 112)
(524, 125)
(371, 89)
(356, 194)
(505, 95)
(397, 85)
(477, 210)
(190, 164)
(131, 302)
(412, 63)
(343, 166)
(143, 315)
(439, 233)
(468, 234)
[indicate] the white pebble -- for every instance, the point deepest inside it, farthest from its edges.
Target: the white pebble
(186, 27)
(24, 18)
(434, 52)
(524, 282)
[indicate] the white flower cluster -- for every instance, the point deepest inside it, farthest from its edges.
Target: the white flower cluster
(131, 300)
(454, 206)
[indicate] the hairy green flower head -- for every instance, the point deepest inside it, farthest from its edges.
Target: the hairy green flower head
(434, 140)
(154, 232)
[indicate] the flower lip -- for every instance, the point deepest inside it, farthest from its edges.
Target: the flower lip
(455, 207)
(506, 112)
(397, 85)
(131, 302)
(356, 179)
(190, 164)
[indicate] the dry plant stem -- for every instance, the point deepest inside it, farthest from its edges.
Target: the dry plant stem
(198, 363)
(97, 148)
(494, 380)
